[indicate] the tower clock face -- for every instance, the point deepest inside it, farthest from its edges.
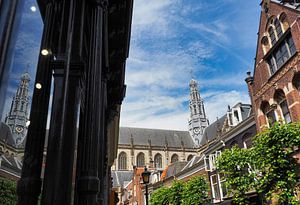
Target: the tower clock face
(196, 130)
(19, 129)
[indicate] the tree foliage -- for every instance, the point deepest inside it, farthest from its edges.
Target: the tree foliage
(234, 163)
(193, 192)
(274, 149)
(268, 167)
(8, 193)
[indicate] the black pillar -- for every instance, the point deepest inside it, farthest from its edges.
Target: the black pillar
(87, 181)
(57, 186)
(29, 185)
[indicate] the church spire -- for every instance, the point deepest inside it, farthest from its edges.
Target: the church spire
(18, 114)
(197, 121)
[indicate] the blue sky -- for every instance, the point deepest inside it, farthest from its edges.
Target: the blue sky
(25, 54)
(174, 40)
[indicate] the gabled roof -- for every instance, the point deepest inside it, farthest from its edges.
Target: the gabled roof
(6, 135)
(121, 178)
(158, 137)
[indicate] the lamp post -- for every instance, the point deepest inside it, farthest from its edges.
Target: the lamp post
(146, 178)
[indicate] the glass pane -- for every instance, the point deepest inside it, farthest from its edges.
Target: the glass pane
(291, 45)
(20, 65)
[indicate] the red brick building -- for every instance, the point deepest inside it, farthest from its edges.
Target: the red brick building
(275, 85)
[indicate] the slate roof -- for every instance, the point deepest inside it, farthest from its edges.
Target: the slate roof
(6, 135)
(211, 132)
(158, 137)
(11, 164)
(121, 178)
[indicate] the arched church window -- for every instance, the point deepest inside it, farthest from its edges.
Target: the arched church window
(296, 81)
(122, 161)
(281, 101)
(269, 112)
(265, 44)
(158, 161)
(272, 35)
(284, 21)
(278, 28)
(174, 158)
(140, 159)
(190, 157)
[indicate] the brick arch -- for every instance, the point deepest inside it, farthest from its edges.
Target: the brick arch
(296, 80)
(269, 22)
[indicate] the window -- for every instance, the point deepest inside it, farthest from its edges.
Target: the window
(215, 187)
(190, 157)
(284, 22)
(269, 112)
(272, 35)
(210, 161)
(281, 100)
(158, 161)
(140, 160)
(265, 44)
(223, 188)
(281, 54)
(296, 81)
(247, 142)
(122, 161)
(278, 28)
(174, 158)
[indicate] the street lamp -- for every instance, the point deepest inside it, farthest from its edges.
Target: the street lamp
(146, 179)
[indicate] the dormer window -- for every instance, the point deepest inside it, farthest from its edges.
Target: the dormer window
(234, 116)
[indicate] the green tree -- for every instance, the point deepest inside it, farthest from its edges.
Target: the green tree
(160, 196)
(274, 149)
(8, 193)
(268, 167)
(235, 164)
(175, 192)
(195, 192)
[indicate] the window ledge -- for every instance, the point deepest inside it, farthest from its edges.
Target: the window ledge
(278, 70)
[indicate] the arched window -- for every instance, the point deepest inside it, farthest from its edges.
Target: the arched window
(296, 81)
(272, 35)
(269, 112)
(122, 161)
(140, 160)
(174, 158)
(281, 101)
(278, 28)
(190, 157)
(284, 21)
(265, 44)
(158, 161)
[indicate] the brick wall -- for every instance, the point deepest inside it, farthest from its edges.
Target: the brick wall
(264, 85)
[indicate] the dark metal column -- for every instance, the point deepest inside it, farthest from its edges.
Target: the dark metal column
(29, 185)
(87, 182)
(60, 151)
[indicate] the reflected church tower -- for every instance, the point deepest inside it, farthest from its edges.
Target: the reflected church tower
(198, 120)
(17, 117)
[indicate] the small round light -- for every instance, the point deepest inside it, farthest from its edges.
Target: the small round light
(45, 52)
(27, 123)
(33, 8)
(38, 86)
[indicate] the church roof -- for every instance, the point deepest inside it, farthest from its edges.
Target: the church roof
(121, 178)
(6, 135)
(158, 137)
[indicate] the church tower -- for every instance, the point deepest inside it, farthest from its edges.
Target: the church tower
(197, 121)
(17, 117)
